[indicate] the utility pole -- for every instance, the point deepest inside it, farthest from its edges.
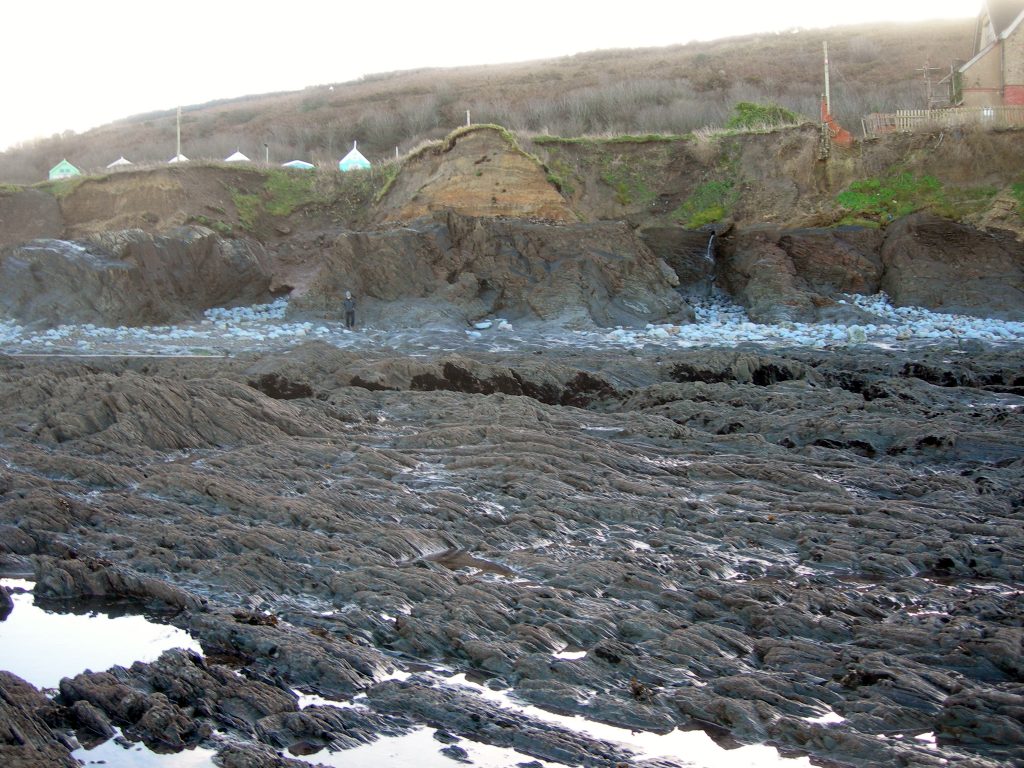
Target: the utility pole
(467, 117)
(828, 88)
(178, 153)
(266, 152)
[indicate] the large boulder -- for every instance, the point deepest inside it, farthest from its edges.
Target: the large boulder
(130, 277)
(951, 267)
(458, 268)
(761, 276)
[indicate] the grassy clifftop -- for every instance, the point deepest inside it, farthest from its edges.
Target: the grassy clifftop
(775, 177)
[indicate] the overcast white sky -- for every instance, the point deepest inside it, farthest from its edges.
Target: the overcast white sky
(76, 64)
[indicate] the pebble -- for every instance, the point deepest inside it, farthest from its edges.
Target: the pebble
(719, 322)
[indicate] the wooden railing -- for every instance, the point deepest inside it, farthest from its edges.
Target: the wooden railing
(909, 120)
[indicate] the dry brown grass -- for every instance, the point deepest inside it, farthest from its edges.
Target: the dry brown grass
(672, 90)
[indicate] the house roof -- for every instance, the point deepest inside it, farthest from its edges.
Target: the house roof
(298, 164)
(1003, 16)
(1003, 13)
(120, 161)
(238, 157)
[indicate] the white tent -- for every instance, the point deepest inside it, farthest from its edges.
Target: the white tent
(353, 160)
(178, 159)
(119, 162)
(238, 157)
(302, 164)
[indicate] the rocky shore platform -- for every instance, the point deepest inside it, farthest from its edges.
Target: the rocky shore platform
(818, 550)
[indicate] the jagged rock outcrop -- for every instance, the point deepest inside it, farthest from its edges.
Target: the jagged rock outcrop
(921, 260)
(762, 276)
(940, 264)
(834, 261)
(130, 277)
(160, 414)
(26, 740)
(455, 268)
(88, 578)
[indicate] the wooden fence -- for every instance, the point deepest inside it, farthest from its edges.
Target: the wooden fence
(908, 120)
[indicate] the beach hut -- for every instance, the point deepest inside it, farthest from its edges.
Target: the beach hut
(300, 164)
(238, 157)
(179, 158)
(354, 160)
(63, 170)
(121, 161)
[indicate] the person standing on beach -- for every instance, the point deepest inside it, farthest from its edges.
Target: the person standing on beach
(350, 310)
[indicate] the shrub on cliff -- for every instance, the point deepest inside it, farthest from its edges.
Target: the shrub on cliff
(750, 116)
(1018, 193)
(881, 200)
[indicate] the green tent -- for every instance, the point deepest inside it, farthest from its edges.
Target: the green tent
(64, 170)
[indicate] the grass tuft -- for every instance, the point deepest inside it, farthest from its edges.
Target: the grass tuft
(881, 200)
(710, 202)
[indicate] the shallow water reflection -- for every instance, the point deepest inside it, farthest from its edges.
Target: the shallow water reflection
(696, 747)
(419, 749)
(42, 646)
(116, 753)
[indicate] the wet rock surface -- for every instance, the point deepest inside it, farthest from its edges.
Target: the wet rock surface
(822, 550)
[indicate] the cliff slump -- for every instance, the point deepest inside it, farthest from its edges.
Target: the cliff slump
(27, 214)
(479, 171)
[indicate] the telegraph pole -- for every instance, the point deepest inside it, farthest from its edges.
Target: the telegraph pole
(828, 89)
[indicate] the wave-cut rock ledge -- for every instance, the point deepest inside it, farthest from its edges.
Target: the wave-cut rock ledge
(819, 550)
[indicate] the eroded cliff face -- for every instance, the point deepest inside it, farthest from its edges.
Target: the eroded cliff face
(581, 232)
(478, 173)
